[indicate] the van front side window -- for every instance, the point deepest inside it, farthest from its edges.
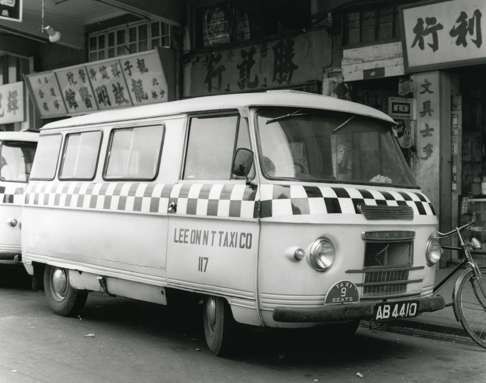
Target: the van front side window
(45, 163)
(134, 153)
(210, 148)
(80, 155)
(16, 159)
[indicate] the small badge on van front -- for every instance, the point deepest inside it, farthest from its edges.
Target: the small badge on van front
(343, 292)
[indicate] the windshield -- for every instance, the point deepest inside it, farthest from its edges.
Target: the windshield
(310, 145)
(16, 160)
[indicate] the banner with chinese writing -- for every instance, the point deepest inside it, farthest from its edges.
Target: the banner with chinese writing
(12, 103)
(444, 34)
(282, 63)
(119, 82)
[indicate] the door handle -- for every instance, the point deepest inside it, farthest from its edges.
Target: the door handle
(172, 207)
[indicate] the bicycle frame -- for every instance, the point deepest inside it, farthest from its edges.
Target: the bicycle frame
(465, 249)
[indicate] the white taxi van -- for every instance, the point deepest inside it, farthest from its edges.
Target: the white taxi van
(17, 151)
(279, 209)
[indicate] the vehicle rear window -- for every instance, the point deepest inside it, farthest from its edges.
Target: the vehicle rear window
(80, 155)
(134, 153)
(16, 159)
(45, 163)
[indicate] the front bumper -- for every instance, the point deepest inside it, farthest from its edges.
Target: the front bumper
(351, 311)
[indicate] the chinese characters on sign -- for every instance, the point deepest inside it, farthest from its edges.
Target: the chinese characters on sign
(427, 136)
(12, 103)
(279, 63)
(444, 33)
(109, 85)
(120, 82)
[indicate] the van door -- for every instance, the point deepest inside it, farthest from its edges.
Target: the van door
(213, 232)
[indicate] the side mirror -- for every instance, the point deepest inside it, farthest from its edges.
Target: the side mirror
(243, 162)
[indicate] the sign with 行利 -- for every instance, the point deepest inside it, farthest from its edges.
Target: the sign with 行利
(119, 82)
(12, 103)
(443, 34)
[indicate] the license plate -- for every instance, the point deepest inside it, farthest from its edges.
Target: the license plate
(395, 310)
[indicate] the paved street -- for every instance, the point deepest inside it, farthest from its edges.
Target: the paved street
(117, 340)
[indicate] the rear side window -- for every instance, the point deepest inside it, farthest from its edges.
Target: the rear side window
(47, 153)
(134, 153)
(16, 159)
(80, 155)
(210, 147)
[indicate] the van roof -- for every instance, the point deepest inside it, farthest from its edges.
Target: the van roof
(231, 101)
(19, 136)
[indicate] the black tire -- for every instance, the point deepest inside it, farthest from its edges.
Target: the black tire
(470, 305)
(219, 326)
(62, 298)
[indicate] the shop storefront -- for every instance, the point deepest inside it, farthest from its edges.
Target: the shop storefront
(252, 46)
(70, 57)
(446, 55)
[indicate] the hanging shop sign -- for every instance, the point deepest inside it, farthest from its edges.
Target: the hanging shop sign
(284, 63)
(371, 62)
(400, 107)
(11, 10)
(444, 34)
(12, 103)
(108, 84)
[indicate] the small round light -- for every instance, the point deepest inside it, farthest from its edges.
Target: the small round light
(433, 251)
(322, 254)
(299, 254)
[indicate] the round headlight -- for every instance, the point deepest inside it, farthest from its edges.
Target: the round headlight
(433, 251)
(321, 254)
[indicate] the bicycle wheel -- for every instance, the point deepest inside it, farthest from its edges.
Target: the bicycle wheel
(470, 305)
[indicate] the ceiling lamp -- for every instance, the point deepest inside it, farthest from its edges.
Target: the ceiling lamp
(53, 35)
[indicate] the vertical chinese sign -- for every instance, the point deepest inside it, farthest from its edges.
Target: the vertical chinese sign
(108, 84)
(427, 135)
(12, 103)
(444, 34)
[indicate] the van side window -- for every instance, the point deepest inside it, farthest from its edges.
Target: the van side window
(211, 147)
(45, 162)
(80, 155)
(134, 153)
(16, 160)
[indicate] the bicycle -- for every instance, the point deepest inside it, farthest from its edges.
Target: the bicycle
(469, 293)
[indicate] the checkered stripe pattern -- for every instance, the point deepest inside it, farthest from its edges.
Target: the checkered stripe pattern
(218, 200)
(221, 200)
(11, 194)
(278, 200)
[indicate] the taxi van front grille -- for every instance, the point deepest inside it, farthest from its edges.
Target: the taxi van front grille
(388, 260)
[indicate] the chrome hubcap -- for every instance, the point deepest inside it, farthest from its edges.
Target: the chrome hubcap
(211, 312)
(59, 284)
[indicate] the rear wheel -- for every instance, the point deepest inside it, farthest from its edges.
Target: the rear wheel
(219, 326)
(62, 298)
(470, 305)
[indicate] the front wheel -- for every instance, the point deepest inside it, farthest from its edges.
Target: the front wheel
(219, 326)
(62, 298)
(469, 298)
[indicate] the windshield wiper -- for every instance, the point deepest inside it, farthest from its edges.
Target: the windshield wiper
(296, 113)
(340, 126)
